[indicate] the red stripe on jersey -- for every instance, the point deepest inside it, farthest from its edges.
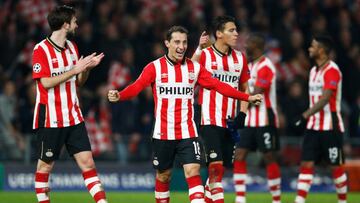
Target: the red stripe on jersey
(213, 60)
(164, 103)
(236, 60)
(164, 70)
(63, 54)
(69, 103)
(267, 98)
(224, 107)
(191, 127)
(178, 105)
(59, 116)
(225, 63)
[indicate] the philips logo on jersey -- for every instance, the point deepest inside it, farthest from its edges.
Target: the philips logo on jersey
(175, 91)
(56, 73)
(316, 88)
(227, 77)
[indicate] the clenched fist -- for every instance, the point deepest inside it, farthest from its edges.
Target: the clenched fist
(255, 99)
(113, 96)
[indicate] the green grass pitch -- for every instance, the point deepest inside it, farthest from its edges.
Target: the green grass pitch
(176, 197)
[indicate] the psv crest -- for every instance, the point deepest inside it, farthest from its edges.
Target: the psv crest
(191, 75)
(37, 68)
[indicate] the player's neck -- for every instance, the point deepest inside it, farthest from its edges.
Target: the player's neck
(58, 37)
(257, 57)
(222, 47)
(322, 61)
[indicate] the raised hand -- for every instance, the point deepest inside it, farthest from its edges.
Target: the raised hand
(96, 60)
(204, 40)
(255, 99)
(83, 63)
(113, 96)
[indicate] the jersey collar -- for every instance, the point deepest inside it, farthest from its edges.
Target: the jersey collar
(57, 47)
(218, 52)
(173, 63)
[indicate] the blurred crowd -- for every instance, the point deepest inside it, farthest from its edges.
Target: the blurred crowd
(130, 33)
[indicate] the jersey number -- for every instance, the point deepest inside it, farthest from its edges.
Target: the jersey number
(333, 153)
(196, 147)
(267, 140)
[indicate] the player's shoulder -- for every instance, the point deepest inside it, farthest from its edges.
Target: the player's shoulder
(333, 65)
(39, 45)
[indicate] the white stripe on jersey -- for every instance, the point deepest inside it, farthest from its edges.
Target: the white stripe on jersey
(252, 120)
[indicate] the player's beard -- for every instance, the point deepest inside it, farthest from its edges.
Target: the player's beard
(70, 34)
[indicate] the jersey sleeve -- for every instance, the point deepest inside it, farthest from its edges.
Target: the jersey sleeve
(331, 79)
(202, 58)
(264, 77)
(145, 79)
(40, 64)
(245, 73)
(207, 81)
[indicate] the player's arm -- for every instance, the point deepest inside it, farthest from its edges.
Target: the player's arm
(204, 41)
(83, 76)
(208, 82)
(319, 105)
(145, 79)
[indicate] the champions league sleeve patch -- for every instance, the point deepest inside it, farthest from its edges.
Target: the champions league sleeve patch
(37, 68)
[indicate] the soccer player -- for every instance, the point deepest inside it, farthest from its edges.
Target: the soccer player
(58, 71)
(323, 137)
(173, 78)
(229, 66)
(261, 123)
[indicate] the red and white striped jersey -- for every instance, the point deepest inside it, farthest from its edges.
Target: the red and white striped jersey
(328, 77)
(58, 106)
(230, 68)
(173, 90)
(263, 75)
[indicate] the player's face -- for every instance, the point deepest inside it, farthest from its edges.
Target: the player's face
(177, 46)
(249, 46)
(229, 35)
(72, 27)
(314, 49)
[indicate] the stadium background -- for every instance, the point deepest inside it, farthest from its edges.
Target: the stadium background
(130, 33)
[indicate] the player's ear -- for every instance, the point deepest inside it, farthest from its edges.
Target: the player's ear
(218, 34)
(167, 43)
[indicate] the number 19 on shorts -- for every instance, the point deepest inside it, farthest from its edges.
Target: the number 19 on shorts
(197, 149)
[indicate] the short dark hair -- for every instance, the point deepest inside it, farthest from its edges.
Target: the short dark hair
(258, 39)
(219, 22)
(60, 15)
(325, 42)
(175, 28)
